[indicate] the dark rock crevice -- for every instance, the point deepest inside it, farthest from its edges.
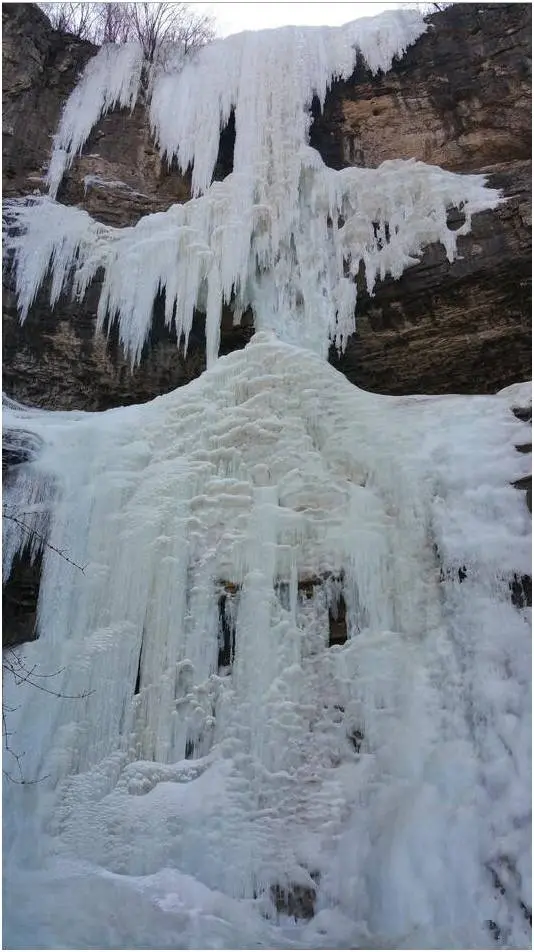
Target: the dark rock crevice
(19, 601)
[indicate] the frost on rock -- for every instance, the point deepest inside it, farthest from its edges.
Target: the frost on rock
(215, 748)
(283, 234)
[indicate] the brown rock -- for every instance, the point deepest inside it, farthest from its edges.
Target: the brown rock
(294, 900)
(463, 327)
(39, 70)
(459, 98)
(19, 602)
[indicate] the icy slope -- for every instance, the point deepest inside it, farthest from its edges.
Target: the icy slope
(227, 752)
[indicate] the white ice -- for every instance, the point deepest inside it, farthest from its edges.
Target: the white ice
(294, 265)
(191, 100)
(111, 79)
(390, 773)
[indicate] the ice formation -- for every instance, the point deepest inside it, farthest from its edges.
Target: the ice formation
(227, 749)
(302, 287)
(283, 234)
(189, 103)
(111, 79)
(283, 670)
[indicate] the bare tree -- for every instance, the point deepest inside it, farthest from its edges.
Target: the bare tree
(156, 24)
(153, 25)
(78, 19)
(113, 23)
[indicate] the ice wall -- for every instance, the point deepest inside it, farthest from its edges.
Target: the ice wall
(210, 744)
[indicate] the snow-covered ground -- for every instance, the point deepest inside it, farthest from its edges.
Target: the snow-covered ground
(389, 774)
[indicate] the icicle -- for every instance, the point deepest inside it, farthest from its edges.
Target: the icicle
(251, 237)
(231, 73)
(293, 286)
(109, 80)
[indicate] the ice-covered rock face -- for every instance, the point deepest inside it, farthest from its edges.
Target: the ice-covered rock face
(282, 234)
(260, 694)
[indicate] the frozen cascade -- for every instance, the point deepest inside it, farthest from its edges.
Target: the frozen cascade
(290, 671)
(111, 79)
(201, 251)
(383, 773)
(282, 234)
(191, 100)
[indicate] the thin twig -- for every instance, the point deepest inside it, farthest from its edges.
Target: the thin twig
(35, 532)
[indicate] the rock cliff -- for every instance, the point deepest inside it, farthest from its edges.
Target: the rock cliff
(460, 98)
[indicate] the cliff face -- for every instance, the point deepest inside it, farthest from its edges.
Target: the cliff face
(460, 98)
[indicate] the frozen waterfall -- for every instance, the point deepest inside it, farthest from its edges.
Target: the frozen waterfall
(283, 234)
(287, 693)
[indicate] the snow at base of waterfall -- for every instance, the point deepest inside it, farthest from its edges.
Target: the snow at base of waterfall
(181, 793)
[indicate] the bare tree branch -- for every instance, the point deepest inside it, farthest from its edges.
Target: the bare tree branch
(34, 533)
(14, 665)
(153, 25)
(113, 23)
(78, 19)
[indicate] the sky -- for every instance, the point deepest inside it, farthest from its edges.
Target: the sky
(235, 17)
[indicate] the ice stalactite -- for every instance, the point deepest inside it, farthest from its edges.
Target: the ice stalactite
(190, 101)
(110, 80)
(295, 267)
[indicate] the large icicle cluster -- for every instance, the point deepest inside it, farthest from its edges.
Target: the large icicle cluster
(189, 103)
(283, 234)
(301, 285)
(210, 746)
